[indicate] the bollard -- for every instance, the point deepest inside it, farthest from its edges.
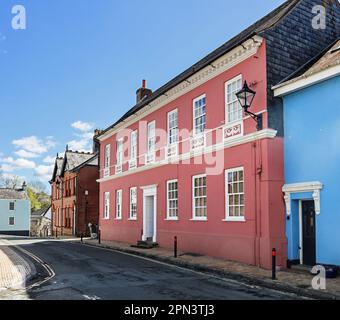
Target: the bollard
(175, 247)
(56, 233)
(99, 240)
(81, 238)
(274, 264)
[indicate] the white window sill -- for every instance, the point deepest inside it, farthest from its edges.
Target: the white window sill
(106, 218)
(171, 219)
(118, 219)
(132, 219)
(199, 220)
(234, 220)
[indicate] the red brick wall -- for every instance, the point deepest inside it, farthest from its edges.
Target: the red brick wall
(87, 213)
(75, 209)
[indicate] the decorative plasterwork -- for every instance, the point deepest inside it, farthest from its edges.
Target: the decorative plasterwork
(227, 61)
(314, 187)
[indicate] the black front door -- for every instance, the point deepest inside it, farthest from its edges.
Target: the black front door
(308, 230)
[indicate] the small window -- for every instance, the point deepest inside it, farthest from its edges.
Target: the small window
(173, 127)
(199, 112)
(200, 197)
(11, 221)
(107, 205)
(233, 107)
(133, 203)
(235, 194)
(172, 200)
(12, 206)
(119, 204)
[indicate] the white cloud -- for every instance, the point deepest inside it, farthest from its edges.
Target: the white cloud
(26, 154)
(18, 163)
(7, 168)
(35, 145)
(49, 159)
(81, 145)
(82, 126)
(84, 143)
(43, 172)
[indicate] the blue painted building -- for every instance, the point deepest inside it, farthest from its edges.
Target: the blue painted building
(15, 211)
(311, 99)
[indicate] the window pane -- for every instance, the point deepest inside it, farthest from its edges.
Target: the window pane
(235, 193)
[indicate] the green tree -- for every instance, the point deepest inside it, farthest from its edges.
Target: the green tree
(35, 204)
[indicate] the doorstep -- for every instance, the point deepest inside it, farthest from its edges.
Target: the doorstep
(289, 280)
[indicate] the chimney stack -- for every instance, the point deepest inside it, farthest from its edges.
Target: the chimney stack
(96, 145)
(143, 93)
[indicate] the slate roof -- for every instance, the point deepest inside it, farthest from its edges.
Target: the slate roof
(57, 168)
(74, 159)
(94, 161)
(258, 27)
(325, 60)
(10, 194)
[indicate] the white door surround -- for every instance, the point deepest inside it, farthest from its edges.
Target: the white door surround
(314, 187)
(150, 212)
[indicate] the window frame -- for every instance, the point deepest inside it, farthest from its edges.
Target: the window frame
(120, 203)
(227, 103)
(106, 215)
(149, 138)
(194, 217)
(130, 203)
(133, 147)
(107, 160)
(169, 129)
(107, 156)
(229, 218)
(168, 217)
(9, 221)
(120, 153)
(11, 205)
(195, 134)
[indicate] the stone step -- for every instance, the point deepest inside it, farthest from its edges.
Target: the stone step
(145, 245)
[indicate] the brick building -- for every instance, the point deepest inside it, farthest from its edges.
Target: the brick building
(75, 193)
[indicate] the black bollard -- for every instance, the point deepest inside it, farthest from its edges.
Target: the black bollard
(99, 240)
(81, 237)
(175, 247)
(274, 264)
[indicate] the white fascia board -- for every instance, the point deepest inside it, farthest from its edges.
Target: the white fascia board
(290, 87)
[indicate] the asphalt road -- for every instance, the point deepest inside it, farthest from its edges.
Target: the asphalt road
(83, 272)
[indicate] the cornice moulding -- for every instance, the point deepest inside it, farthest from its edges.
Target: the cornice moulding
(224, 63)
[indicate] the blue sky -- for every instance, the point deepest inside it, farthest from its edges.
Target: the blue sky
(79, 62)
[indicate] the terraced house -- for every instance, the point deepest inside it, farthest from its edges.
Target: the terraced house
(188, 161)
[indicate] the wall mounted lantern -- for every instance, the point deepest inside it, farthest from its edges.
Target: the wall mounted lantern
(246, 97)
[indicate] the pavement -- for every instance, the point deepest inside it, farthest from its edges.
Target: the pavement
(87, 272)
(297, 282)
(15, 271)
